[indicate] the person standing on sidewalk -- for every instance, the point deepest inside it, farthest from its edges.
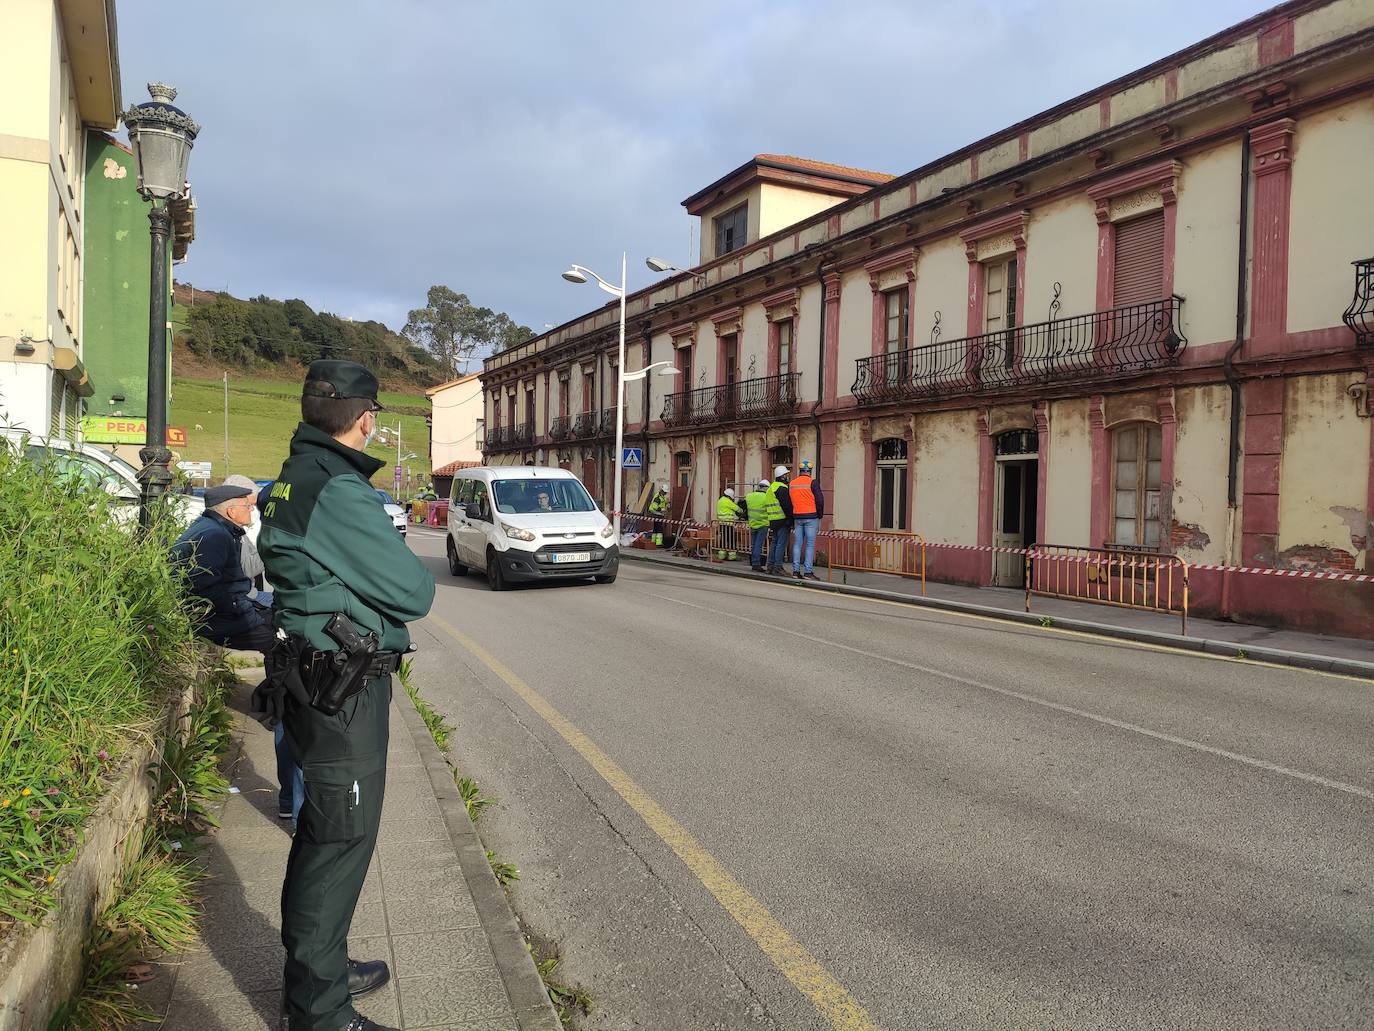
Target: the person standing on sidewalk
(658, 508)
(779, 519)
(756, 505)
(330, 549)
(728, 513)
(808, 509)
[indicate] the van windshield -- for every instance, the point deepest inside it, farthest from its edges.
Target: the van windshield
(541, 495)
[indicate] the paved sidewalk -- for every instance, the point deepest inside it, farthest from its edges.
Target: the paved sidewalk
(452, 966)
(1013, 603)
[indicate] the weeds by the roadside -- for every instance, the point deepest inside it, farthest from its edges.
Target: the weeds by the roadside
(476, 802)
(93, 636)
(187, 778)
(566, 999)
(505, 872)
(438, 729)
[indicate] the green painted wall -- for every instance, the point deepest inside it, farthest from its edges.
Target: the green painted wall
(116, 271)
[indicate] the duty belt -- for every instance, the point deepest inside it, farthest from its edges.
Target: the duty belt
(383, 663)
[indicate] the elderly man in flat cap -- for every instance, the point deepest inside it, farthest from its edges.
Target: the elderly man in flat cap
(345, 586)
(209, 553)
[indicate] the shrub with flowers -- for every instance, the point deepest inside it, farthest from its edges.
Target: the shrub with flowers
(93, 637)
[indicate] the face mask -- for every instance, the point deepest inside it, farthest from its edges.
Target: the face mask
(371, 434)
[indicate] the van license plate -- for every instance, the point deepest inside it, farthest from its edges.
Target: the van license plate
(572, 556)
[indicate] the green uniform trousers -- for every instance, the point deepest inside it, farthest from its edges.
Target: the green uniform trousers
(344, 760)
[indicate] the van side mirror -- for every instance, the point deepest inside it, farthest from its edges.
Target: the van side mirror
(474, 511)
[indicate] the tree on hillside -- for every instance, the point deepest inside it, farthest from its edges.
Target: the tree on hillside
(507, 333)
(450, 327)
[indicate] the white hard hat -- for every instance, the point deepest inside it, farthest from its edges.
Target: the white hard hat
(763, 483)
(779, 471)
(729, 492)
(663, 485)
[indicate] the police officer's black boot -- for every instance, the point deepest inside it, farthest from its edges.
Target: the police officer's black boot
(365, 976)
(363, 1024)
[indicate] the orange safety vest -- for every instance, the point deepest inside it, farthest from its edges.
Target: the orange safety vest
(801, 496)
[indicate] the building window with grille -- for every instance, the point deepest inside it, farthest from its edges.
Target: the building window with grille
(890, 455)
(1138, 260)
(1136, 452)
(731, 229)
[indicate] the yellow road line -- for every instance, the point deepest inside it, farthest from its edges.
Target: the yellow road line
(1030, 628)
(788, 955)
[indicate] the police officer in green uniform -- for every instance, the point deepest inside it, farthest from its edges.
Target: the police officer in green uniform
(334, 559)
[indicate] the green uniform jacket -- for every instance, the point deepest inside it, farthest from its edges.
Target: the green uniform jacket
(329, 546)
(726, 509)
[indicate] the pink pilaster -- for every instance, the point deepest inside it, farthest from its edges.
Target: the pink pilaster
(985, 469)
(1041, 410)
(832, 336)
(1168, 435)
(1097, 517)
(909, 435)
(1263, 444)
(829, 432)
(1271, 149)
(870, 474)
(1276, 42)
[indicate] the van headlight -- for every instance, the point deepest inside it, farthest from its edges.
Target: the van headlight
(517, 533)
(608, 530)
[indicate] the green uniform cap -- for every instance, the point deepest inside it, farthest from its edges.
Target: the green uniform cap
(346, 379)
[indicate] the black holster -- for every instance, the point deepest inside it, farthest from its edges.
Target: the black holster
(337, 676)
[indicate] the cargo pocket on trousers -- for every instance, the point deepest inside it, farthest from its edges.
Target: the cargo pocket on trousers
(330, 813)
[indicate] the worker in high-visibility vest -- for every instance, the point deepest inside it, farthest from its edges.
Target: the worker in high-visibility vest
(728, 513)
(808, 509)
(756, 505)
(658, 508)
(779, 519)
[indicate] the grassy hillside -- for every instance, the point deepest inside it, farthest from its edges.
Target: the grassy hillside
(263, 413)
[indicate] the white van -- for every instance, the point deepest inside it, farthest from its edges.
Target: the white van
(528, 522)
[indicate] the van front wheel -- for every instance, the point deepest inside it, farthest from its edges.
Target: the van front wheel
(496, 579)
(454, 566)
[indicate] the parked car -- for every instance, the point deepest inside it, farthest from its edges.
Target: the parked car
(99, 470)
(522, 523)
(395, 511)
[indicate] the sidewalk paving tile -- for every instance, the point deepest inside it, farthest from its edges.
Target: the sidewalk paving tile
(416, 911)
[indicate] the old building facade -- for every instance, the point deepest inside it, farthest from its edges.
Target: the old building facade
(1133, 321)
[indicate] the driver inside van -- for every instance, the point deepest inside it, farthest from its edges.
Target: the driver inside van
(543, 499)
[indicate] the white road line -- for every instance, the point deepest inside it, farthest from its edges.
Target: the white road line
(1134, 728)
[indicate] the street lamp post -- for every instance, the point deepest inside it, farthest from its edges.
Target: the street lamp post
(161, 136)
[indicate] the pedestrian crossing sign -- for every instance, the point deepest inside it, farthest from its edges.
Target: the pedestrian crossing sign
(633, 458)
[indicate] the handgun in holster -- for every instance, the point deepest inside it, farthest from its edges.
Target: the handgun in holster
(341, 674)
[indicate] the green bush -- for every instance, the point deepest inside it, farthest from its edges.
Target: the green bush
(93, 635)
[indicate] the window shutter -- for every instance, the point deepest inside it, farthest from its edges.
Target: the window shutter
(1138, 272)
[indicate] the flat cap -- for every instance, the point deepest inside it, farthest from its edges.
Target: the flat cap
(224, 492)
(344, 379)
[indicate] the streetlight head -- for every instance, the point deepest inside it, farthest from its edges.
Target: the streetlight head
(659, 265)
(670, 371)
(161, 136)
(574, 276)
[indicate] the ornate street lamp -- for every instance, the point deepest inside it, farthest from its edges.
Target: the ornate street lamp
(162, 137)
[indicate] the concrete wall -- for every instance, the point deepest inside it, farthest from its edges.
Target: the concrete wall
(1068, 506)
(783, 206)
(941, 285)
(1329, 226)
(455, 411)
(1206, 240)
(856, 325)
(1324, 475)
(946, 502)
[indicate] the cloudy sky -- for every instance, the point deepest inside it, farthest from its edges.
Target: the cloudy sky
(354, 152)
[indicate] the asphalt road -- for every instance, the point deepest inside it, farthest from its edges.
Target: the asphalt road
(906, 819)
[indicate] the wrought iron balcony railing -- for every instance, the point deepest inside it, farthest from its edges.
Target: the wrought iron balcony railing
(767, 397)
(585, 425)
(560, 428)
(1101, 344)
(1360, 315)
(607, 427)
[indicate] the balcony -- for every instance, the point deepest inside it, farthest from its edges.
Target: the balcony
(1360, 315)
(607, 428)
(560, 428)
(509, 436)
(585, 425)
(768, 397)
(1100, 345)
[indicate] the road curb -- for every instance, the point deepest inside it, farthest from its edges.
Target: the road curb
(1228, 649)
(524, 986)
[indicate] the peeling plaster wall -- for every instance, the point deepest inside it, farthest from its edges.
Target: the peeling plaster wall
(1199, 502)
(946, 509)
(1324, 474)
(1068, 506)
(844, 493)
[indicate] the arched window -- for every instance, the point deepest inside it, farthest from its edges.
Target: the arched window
(890, 456)
(1136, 452)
